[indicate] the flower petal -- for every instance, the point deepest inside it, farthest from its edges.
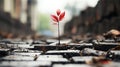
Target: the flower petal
(61, 16)
(54, 18)
(58, 12)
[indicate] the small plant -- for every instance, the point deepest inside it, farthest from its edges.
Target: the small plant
(57, 18)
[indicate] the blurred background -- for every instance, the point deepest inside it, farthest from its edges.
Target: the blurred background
(31, 18)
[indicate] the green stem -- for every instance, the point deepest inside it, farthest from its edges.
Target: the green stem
(58, 34)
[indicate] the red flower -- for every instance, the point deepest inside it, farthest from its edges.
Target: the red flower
(54, 18)
(59, 16)
(58, 12)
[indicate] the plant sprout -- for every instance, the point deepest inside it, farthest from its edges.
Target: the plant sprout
(57, 18)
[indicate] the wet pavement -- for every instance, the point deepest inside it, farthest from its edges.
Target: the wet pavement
(38, 53)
